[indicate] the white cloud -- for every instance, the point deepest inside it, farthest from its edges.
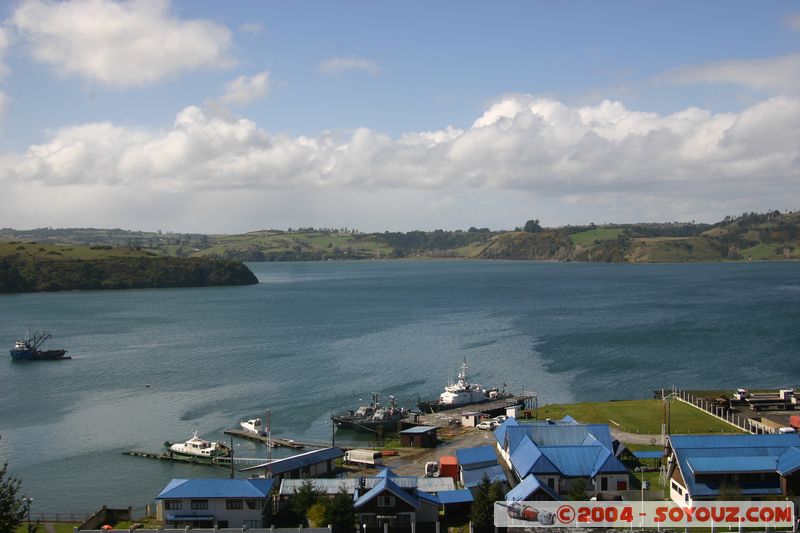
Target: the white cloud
(596, 159)
(775, 73)
(120, 44)
(340, 64)
(520, 142)
(793, 21)
(246, 89)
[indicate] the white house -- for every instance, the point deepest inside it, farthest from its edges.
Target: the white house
(207, 503)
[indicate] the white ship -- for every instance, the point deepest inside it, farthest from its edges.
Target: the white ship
(198, 447)
(462, 393)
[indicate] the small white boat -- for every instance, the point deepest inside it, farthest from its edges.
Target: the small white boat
(198, 447)
(253, 425)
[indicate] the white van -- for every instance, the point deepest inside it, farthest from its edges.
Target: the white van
(364, 457)
(786, 430)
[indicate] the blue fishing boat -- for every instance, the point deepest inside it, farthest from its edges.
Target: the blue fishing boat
(28, 349)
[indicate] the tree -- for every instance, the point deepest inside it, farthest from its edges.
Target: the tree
(578, 490)
(302, 499)
(13, 508)
(532, 226)
(340, 513)
(317, 513)
(482, 514)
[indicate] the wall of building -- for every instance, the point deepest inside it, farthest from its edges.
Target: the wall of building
(218, 508)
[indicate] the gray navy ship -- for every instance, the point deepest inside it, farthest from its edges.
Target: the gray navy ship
(372, 416)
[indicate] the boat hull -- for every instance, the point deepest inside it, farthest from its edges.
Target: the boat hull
(436, 406)
(35, 355)
(366, 425)
(220, 452)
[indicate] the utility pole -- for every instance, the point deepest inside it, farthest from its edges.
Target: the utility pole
(231, 456)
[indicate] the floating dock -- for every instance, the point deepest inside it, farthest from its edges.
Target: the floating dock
(276, 442)
(220, 462)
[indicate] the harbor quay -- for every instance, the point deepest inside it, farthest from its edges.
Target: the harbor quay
(430, 474)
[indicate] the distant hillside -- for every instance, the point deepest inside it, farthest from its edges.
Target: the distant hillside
(26, 267)
(751, 236)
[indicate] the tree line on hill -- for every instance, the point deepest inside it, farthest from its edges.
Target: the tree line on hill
(19, 273)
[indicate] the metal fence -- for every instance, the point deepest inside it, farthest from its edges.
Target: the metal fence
(722, 413)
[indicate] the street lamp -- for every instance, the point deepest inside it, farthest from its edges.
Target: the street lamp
(29, 500)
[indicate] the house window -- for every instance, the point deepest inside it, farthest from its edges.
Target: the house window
(199, 505)
(254, 504)
(403, 519)
(173, 505)
(603, 483)
(386, 501)
(234, 504)
(252, 524)
(551, 482)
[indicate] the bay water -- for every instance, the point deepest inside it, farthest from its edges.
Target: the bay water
(156, 365)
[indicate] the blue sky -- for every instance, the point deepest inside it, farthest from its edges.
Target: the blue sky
(380, 115)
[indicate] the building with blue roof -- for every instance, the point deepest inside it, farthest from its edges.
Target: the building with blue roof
(700, 467)
(552, 455)
(207, 503)
(316, 463)
(390, 502)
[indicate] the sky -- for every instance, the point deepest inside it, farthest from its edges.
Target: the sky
(228, 117)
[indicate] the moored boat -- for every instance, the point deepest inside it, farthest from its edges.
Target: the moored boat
(463, 393)
(372, 416)
(28, 349)
(198, 447)
(254, 426)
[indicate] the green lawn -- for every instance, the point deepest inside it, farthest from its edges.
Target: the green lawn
(589, 237)
(639, 416)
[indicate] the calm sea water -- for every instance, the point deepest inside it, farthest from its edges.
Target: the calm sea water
(153, 365)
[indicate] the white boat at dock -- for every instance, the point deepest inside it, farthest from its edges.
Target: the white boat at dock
(199, 447)
(254, 426)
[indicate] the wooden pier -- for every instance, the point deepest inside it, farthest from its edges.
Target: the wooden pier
(276, 442)
(220, 462)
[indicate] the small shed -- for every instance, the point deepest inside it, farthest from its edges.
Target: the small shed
(455, 503)
(470, 419)
(513, 411)
(419, 437)
(448, 466)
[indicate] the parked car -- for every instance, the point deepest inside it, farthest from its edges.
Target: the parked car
(487, 425)
(500, 419)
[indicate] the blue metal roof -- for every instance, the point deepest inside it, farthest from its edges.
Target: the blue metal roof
(481, 455)
(473, 478)
(386, 472)
(648, 455)
(568, 434)
(526, 488)
(386, 484)
(216, 488)
(722, 465)
(455, 496)
(701, 456)
(294, 462)
(500, 432)
(418, 429)
(734, 441)
(426, 496)
(526, 456)
(789, 461)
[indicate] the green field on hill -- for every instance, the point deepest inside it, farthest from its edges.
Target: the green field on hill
(639, 416)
